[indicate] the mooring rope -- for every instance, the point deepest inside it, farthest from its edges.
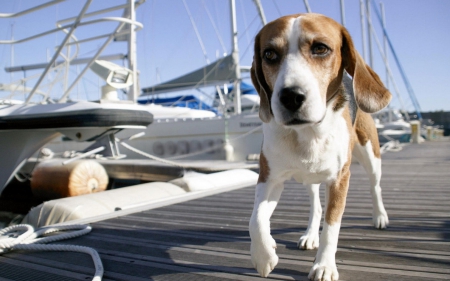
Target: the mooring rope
(217, 146)
(187, 166)
(182, 165)
(24, 237)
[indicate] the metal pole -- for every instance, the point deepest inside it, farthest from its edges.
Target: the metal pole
(55, 56)
(342, 13)
(133, 92)
(260, 11)
(369, 33)
(363, 29)
(308, 8)
(21, 13)
(12, 52)
(235, 54)
(385, 46)
(99, 51)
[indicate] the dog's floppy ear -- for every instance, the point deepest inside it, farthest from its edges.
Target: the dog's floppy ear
(370, 93)
(260, 84)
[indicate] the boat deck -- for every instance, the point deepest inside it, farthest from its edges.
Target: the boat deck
(207, 238)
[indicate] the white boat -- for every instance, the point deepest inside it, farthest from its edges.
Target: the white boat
(233, 134)
(185, 137)
(25, 126)
(392, 126)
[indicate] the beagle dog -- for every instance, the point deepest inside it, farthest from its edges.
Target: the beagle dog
(315, 117)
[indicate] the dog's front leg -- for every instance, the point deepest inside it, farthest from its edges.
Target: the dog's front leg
(263, 246)
(324, 268)
(310, 240)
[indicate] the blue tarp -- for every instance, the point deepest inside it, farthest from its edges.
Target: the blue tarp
(189, 101)
(192, 101)
(246, 89)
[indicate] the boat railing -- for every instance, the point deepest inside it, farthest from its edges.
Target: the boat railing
(68, 26)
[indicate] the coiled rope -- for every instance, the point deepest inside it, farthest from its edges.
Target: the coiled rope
(24, 237)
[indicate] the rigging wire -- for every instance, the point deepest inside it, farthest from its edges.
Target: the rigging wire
(277, 8)
(384, 57)
(399, 65)
(200, 41)
(245, 22)
(242, 54)
(214, 26)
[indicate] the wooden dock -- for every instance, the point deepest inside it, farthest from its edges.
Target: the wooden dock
(207, 238)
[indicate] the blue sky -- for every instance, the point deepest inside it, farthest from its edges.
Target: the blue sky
(168, 46)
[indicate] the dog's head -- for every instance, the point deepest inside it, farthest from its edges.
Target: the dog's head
(298, 66)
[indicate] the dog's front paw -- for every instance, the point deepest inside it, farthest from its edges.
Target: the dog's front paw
(264, 258)
(380, 220)
(308, 241)
(324, 272)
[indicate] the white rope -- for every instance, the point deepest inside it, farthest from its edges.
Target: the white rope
(217, 146)
(24, 237)
(392, 145)
(185, 166)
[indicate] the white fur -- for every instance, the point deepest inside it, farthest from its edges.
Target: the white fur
(310, 240)
(295, 72)
(324, 268)
(320, 152)
(372, 165)
(263, 246)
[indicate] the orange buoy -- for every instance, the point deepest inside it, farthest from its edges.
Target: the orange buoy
(51, 179)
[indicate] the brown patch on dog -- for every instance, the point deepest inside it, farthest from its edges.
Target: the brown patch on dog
(264, 168)
(366, 131)
(328, 69)
(340, 100)
(270, 37)
(338, 189)
(337, 196)
(370, 93)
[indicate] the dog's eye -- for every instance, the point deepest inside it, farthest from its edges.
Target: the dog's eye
(270, 56)
(319, 49)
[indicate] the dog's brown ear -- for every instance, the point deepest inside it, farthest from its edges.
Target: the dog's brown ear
(260, 84)
(370, 93)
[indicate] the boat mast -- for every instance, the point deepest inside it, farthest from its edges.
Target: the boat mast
(12, 52)
(342, 13)
(383, 23)
(262, 16)
(308, 8)
(235, 55)
(369, 27)
(132, 63)
(363, 28)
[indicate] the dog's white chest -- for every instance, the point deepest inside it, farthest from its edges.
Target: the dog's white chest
(306, 157)
(321, 161)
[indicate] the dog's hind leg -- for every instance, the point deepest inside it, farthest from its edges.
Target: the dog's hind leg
(372, 164)
(310, 240)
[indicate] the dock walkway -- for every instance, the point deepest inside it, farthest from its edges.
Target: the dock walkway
(207, 238)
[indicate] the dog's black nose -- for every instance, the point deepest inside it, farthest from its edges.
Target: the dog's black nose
(292, 98)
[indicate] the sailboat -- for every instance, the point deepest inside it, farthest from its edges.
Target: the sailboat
(231, 130)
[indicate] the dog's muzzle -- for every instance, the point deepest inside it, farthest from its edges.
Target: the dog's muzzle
(291, 98)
